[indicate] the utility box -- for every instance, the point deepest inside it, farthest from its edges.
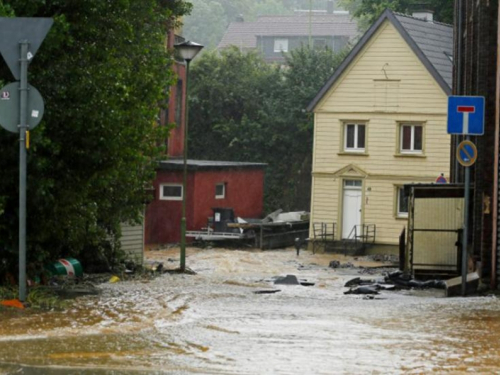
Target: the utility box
(435, 225)
(222, 216)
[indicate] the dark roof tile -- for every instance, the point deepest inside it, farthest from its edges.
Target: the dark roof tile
(244, 34)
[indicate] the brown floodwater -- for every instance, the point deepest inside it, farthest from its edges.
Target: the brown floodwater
(214, 323)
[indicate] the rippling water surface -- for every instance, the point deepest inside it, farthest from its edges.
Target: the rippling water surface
(214, 323)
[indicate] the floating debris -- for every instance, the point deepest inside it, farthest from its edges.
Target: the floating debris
(114, 279)
(13, 303)
(362, 290)
(287, 280)
(267, 291)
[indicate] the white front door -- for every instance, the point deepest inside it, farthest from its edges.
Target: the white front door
(351, 209)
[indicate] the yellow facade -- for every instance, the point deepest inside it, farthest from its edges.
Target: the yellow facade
(385, 87)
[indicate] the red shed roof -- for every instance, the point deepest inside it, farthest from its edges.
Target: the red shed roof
(178, 164)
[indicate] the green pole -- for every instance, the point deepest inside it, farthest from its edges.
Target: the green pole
(184, 180)
(465, 234)
(22, 168)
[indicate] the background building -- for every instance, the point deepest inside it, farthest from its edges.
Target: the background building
(275, 35)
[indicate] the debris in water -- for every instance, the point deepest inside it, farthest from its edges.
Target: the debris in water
(306, 283)
(334, 264)
(337, 264)
(362, 290)
(267, 291)
(13, 303)
(114, 279)
(398, 278)
(287, 280)
(454, 286)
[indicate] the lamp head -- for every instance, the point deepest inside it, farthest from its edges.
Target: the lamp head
(188, 50)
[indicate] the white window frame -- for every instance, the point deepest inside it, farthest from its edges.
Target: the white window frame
(412, 139)
(398, 203)
(353, 184)
(356, 140)
(171, 198)
(223, 195)
(280, 42)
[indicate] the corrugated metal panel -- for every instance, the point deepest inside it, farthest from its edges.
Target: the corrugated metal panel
(437, 213)
(132, 241)
(436, 250)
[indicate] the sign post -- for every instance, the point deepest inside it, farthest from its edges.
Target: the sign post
(466, 117)
(19, 42)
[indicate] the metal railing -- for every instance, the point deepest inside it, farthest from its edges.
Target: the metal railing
(323, 234)
(359, 237)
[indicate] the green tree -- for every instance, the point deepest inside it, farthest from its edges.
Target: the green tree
(242, 109)
(102, 71)
(206, 24)
(367, 11)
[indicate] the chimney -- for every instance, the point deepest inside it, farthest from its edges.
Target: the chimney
(329, 7)
(426, 15)
(240, 18)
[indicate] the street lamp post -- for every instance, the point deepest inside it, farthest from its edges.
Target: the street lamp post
(187, 50)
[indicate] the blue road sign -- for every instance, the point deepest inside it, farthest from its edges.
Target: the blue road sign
(466, 115)
(466, 153)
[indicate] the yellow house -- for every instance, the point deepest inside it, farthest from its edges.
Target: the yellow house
(379, 123)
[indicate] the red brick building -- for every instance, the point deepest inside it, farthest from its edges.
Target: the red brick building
(210, 184)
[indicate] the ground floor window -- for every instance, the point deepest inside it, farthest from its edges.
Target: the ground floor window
(402, 202)
(171, 192)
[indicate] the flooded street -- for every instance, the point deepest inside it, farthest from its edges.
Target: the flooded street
(214, 323)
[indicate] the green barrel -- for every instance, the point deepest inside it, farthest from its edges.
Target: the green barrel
(66, 267)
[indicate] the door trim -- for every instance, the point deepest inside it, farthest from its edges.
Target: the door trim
(340, 219)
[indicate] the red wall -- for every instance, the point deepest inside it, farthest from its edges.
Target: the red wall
(244, 193)
(175, 141)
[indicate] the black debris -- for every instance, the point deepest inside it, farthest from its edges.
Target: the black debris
(362, 290)
(267, 291)
(287, 280)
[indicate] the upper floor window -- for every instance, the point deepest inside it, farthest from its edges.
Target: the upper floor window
(280, 45)
(411, 139)
(171, 192)
(319, 43)
(220, 191)
(354, 137)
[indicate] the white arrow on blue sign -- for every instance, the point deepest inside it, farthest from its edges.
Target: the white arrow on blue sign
(466, 115)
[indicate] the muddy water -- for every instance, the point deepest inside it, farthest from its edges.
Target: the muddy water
(213, 323)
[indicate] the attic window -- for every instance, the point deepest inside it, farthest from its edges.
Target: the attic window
(280, 45)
